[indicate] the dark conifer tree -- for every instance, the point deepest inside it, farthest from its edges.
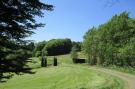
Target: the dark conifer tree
(55, 61)
(42, 62)
(45, 61)
(17, 22)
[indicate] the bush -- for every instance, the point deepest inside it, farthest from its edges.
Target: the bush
(55, 61)
(58, 47)
(38, 54)
(43, 62)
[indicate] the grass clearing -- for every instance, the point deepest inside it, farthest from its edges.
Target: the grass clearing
(129, 70)
(65, 76)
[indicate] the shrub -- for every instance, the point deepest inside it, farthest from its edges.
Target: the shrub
(45, 61)
(38, 54)
(58, 47)
(42, 62)
(55, 61)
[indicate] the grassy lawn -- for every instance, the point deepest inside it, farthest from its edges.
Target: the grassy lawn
(64, 76)
(129, 70)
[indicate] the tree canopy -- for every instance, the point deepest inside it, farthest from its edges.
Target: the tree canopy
(78, 45)
(55, 47)
(17, 21)
(58, 47)
(38, 48)
(112, 43)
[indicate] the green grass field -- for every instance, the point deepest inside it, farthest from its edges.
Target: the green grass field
(65, 76)
(129, 70)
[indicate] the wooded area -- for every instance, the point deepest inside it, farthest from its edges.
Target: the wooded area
(55, 47)
(112, 43)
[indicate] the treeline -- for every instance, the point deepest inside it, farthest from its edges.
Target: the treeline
(112, 43)
(55, 47)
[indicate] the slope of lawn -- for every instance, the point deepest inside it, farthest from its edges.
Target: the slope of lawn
(129, 70)
(64, 76)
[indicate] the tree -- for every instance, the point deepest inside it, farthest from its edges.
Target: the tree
(90, 45)
(38, 54)
(30, 46)
(17, 22)
(57, 47)
(78, 45)
(38, 48)
(44, 52)
(55, 61)
(112, 43)
(43, 62)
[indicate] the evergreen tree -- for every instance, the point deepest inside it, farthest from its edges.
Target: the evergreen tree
(45, 61)
(55, 61)
(42, 62)
(17, 22)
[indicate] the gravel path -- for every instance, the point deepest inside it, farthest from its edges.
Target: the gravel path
(127, 78)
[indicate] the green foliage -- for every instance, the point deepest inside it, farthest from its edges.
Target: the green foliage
(65, 76)
(43, 62)
(30, 46)
(44, 52)
(38, 48)
(112, 43)
(90, 45)
(129, 70)
(78, 45)
(74, 54)
(38, 54)
(57, 47)
(17, 22)
(55, 61)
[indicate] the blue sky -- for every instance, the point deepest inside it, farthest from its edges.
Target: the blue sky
(72, 18)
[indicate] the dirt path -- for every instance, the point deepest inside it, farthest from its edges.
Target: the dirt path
(127, 78)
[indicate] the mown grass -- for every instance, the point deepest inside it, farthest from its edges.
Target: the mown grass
(65, 76)
(129, 70)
